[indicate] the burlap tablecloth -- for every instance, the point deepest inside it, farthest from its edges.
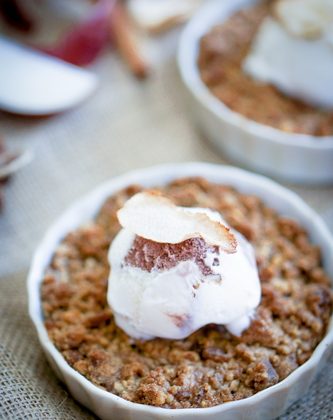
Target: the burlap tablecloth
(125, 125)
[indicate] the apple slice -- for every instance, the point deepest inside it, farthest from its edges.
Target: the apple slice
(154, 217)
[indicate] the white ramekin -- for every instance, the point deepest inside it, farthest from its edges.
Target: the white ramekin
(265, 404)
(293, 157)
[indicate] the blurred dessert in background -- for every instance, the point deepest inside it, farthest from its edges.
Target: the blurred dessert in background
(293, 50)
(257, 63)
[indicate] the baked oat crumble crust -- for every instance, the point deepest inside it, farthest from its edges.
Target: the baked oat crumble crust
(211, 366)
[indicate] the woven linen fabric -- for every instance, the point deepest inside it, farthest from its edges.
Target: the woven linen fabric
(125, 125)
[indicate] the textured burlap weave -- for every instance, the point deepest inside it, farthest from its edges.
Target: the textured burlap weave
(125, 125)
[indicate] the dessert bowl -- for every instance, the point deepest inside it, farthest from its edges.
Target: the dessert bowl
(268, 403)
(293, 157)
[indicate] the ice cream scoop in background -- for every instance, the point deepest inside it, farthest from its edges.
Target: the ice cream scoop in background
(293, 50)
(175, 269)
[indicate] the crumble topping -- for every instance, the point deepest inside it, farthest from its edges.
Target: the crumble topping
(211, 366)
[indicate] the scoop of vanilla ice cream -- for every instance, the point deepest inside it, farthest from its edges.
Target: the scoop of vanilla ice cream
(170, 290)
(293, 50)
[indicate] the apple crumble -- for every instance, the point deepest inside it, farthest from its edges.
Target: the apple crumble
(211, 366)
(222, 53)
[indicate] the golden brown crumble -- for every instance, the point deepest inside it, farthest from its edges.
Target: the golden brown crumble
(222, 52)
(211, 366)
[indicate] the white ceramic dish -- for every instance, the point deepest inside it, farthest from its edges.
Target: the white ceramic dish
(265, 404)
(36, 84)
(292, 157)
